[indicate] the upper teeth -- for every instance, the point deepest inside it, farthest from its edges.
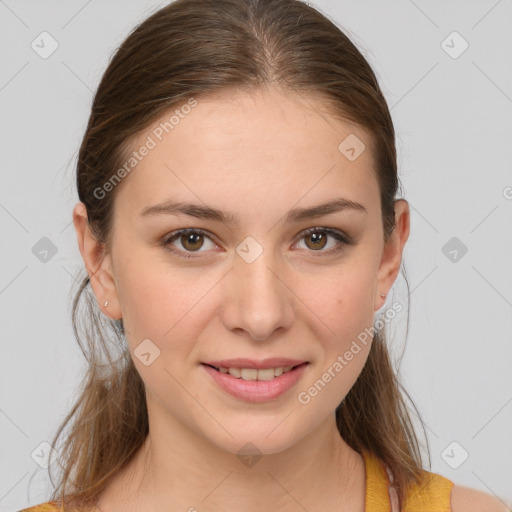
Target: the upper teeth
(255, 374)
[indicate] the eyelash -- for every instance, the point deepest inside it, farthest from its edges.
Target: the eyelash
(342, 238)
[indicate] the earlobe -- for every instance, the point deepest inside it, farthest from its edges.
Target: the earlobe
(392, 252)
(98, 264)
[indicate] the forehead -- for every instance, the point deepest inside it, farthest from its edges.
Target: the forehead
(247, 149)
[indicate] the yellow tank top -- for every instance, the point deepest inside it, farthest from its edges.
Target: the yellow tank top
(433, 496)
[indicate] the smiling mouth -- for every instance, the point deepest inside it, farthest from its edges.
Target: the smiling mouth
(263, 374)
(256, 385)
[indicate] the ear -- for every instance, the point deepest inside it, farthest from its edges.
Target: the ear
(98, 264)
(392, 253)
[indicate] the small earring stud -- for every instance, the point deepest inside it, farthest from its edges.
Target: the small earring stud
(106, 304)
(382, 294)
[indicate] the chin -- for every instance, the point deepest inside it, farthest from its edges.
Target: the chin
(258, 436)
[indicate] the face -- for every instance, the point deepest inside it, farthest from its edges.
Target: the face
(265, 281)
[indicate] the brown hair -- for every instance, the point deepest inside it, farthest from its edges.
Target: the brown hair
(190, 49)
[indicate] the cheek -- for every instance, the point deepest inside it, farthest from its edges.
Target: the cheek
(160, 314)
(157, 301)
(346, 300)
(153, 291)
(346, 307)
(344, 350)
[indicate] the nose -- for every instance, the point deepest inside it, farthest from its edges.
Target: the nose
(259, 300)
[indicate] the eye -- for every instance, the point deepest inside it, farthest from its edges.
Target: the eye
(190, 239)
(316, 239)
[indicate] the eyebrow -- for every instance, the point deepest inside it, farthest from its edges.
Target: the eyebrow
(207, 212)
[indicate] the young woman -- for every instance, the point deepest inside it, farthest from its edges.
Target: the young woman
(240, 228)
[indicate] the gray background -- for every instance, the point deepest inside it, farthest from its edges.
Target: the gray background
(452, 112)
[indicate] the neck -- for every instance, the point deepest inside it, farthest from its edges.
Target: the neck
(176, 467)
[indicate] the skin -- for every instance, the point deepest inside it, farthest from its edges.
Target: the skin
(258, 156)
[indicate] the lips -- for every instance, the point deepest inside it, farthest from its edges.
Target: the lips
(243, 379)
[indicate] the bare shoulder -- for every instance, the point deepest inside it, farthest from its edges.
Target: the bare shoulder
(467, 499)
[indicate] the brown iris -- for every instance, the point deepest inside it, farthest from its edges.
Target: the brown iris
(190, 240)
(318, 240)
